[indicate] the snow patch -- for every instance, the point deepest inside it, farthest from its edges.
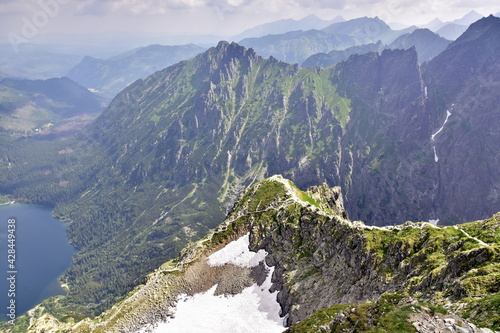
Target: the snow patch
(448, 114)
(435, 222)
(433, 136)
(255, 309)
(95, 91)
(238, 254)
(436, 158)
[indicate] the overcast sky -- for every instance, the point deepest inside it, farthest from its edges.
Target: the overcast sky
(220, 17)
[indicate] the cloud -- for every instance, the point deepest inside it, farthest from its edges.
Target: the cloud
(321, 4)
(134, 7)
(154, 7)
(226, 16)
(13, 7)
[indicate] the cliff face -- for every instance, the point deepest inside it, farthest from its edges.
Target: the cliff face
(323, 263)
(321, 259)
(385, 162)
(419, 143)
(465, 145)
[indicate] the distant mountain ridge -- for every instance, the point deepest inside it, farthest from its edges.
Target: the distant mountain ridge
(466, 20)
(286, 25)
(29, 107)
(108, 77)
(453, 29)
(297, 46)
(333, 57)
(35, 62)
(363, 30)
(427, 43)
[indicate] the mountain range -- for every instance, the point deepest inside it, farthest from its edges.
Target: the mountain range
(297, 46)
(426, 43)
(353, 35)
(333, 57)
(309, 22)
(170, 156)
(453, 29)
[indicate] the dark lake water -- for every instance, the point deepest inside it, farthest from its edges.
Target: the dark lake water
(42, 255)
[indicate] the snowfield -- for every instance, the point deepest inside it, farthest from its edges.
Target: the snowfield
(254, 310)
(238, 254)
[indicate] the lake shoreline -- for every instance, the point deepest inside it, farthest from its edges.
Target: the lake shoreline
(43, 254)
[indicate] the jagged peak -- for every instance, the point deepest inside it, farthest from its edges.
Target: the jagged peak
(233, 50)
(479, 28)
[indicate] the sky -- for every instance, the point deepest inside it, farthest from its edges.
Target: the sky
(34, 20)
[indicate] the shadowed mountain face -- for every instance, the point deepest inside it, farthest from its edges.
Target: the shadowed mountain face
(413, 160)
(173, 151)
(465, 81)
(426, 43)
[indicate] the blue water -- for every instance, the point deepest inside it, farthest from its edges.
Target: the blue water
(42, 255)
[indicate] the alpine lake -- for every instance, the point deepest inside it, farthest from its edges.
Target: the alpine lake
(34, 253)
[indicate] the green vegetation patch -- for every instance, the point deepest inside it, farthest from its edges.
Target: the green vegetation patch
(3, 199)
(155, 118)
(384, 315)
(303, 195)
(484, 312)
(266, 193)
(486, 230)
(436, 252)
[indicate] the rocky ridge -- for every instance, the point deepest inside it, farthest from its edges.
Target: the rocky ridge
(326, 264)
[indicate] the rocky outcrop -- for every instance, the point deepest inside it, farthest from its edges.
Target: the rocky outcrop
(321, 259)
(427, 323)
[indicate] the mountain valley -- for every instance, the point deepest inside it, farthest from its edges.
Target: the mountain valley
(393, 135)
